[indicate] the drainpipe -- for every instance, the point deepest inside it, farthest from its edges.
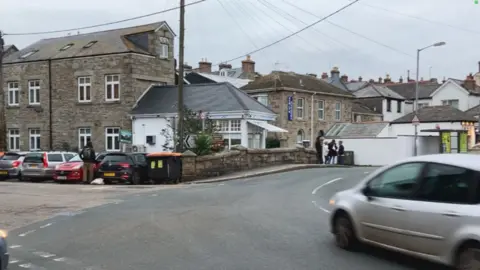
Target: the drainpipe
(50, 110)
(311, 120)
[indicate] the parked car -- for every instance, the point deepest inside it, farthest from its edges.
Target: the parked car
(123, 168)
(72, 170)
(4, 256)
(426, 206)
(11, 165)
(41, 165)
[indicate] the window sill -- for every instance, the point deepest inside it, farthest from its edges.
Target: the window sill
(13, 106)
(113, 101)
(34, 106)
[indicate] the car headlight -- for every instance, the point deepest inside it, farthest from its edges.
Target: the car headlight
(333, 200)
(3, 234)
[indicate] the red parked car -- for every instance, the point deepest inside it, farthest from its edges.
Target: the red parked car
(72, 170)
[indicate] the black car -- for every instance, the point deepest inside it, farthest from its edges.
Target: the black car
(4, 257)
(123, 168)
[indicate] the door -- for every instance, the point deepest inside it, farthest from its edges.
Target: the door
(437, 209)
(382, 212)
(141, 162)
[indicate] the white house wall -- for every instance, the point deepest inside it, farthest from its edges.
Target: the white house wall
(451, 91)
(393, 114)
(473, 101)
(409, 129)
(142, 127)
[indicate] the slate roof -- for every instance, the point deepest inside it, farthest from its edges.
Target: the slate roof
(209, 97)
(237, 73)
(107, 42)
(475, 111)
(377, 91)
(407, 90)
(475, 91)
(336, 81)
(355, 130)
(293, 80)
(436, 114)
(358, 107)
(354, 86)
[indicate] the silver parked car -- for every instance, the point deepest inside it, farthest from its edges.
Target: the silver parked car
(11, 165)
(41, 165)
(426, 206)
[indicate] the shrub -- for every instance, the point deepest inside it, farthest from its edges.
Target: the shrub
(272, 143)
(203, 144)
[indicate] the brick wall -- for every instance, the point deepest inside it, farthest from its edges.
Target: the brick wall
(240, 159)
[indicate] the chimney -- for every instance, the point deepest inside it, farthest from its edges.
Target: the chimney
(205, 66)
(408, 75)
(433, 80)
(312, 75)
(335, 74)
(400, 80)
(371, 81)
(360, 79)
(387, 79)
(469, 82)
(380, 79)
(444, 79)
(224, 66)
(248, 65)
(344, 78)
(324, 75)
(187, 67)
(478, 66)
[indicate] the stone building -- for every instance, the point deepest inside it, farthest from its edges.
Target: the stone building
(59, 92)
(305, 104)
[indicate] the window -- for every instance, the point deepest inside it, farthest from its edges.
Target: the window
(398, 182)
(235, 125)
(163, 51)
(90, 44)
(28, 54)
(321, 109)
(421, 105)
(262, 99)
(55, 157)
(338, 111)
(84, 134)
(13, 94)
(66, 47)
(389, 105)
(112, 87)
(13, 139)
(446, 184)
(112, 139)
(300, 136)
(34, 92)
(84, 89)
(300, 104)
(451, 102)
(399, 106)
(140, 159)
(34, 139)
(68, 157)
(358, 118)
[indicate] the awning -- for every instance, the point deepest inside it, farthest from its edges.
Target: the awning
(266, 126)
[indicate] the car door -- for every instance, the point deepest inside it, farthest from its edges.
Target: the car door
(382, 214)
(437, 209)
(141, 162)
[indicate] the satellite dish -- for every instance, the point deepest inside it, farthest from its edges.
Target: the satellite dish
(135, 148)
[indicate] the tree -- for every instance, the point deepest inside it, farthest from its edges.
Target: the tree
(192, 125)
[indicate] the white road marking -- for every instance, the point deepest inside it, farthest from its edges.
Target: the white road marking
(327, 183)
(44, 254)
(321, 208)
(26, 265)
(13, 261)
(366, 172)
(154, 195)
(46, 225)
(15, 246)
(27, 233)
(61, 259)
(221, 184)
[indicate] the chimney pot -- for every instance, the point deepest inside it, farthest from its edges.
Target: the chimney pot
(204, 66)
(335, 74)
(224, 66)
(360, 79)
(380, 79)
(324, 75)
(344, 78)
(400, 80)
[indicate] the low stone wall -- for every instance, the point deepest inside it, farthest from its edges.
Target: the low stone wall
(241, 159)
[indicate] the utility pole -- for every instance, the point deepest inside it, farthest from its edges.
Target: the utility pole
(3, 122)
(181, 38)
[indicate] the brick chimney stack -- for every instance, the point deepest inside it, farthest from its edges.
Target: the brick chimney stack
(360, 79)
(387, 79)
(469, 82)
(371, 81)
(248, 65)
(224, 66)
(344, 78)
(324, 75)
(205, 66)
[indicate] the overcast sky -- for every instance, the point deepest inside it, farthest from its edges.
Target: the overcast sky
(240, 26)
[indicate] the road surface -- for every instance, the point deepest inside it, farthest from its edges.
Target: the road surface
(271, 222)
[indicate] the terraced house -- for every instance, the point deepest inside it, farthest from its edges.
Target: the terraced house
(305, 104)
(59, 92)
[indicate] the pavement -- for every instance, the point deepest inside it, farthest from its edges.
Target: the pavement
(276, 221)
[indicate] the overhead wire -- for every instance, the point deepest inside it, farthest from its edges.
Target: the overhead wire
(296, 32)
(103, 24)
(351, 31)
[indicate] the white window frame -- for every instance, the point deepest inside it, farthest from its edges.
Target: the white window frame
(338, 111)
(14, 139)
(36, 134)
(235, 125)
(164, 48)
(300, 136)
(13, 94)
(85, 87)
(115, 133)
(300, 109)
(450, 101)
(84, 134)
(34, 91)
(114, 80)
(321, 109)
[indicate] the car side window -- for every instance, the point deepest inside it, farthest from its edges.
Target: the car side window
(446, 184)
(399, 182)
(140, 159)
(68, 156)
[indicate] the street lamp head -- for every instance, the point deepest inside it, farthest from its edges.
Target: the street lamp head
(439, 44)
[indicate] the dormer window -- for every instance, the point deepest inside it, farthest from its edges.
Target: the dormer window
(66, 47)
(90, 44)
(224, 72)
(28, 54)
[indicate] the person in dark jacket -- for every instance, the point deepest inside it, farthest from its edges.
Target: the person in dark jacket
(88, 156)
(341, 153)
(319, 148)
(332, 152)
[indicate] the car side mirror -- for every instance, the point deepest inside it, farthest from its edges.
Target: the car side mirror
(367, 191)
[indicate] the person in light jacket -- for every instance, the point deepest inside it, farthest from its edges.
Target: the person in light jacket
(325, 152)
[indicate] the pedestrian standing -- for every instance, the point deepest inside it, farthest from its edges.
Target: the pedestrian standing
(325, 152)
(88, 156)
(332, 152)
(341, 153)
(319, 148)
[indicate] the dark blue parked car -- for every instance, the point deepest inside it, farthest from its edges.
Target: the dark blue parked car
(4, 257)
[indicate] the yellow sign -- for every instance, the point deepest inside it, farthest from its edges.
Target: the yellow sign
(152, 164)
(463, 142)
(160, 164)
(109, 174)
(446, 145)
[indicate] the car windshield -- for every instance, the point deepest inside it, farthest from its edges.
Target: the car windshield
(11, 157)
(115, 158)
(75, 159)
(34, 158)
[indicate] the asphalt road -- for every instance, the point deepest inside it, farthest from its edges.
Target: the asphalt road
(269, 222)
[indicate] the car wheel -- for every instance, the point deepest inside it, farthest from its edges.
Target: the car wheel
(135, 179)
(345, 237)
(468, 257)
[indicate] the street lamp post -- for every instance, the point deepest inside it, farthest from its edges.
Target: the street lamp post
(415, 151)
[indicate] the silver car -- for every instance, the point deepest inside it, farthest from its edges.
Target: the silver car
(41, 165)
(426, 206)
(11, 165)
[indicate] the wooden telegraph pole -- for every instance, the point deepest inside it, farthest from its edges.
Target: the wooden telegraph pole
(3, 122)
(181, 38)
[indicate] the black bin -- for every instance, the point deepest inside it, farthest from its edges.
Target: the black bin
(348, 158)
(164, 167)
